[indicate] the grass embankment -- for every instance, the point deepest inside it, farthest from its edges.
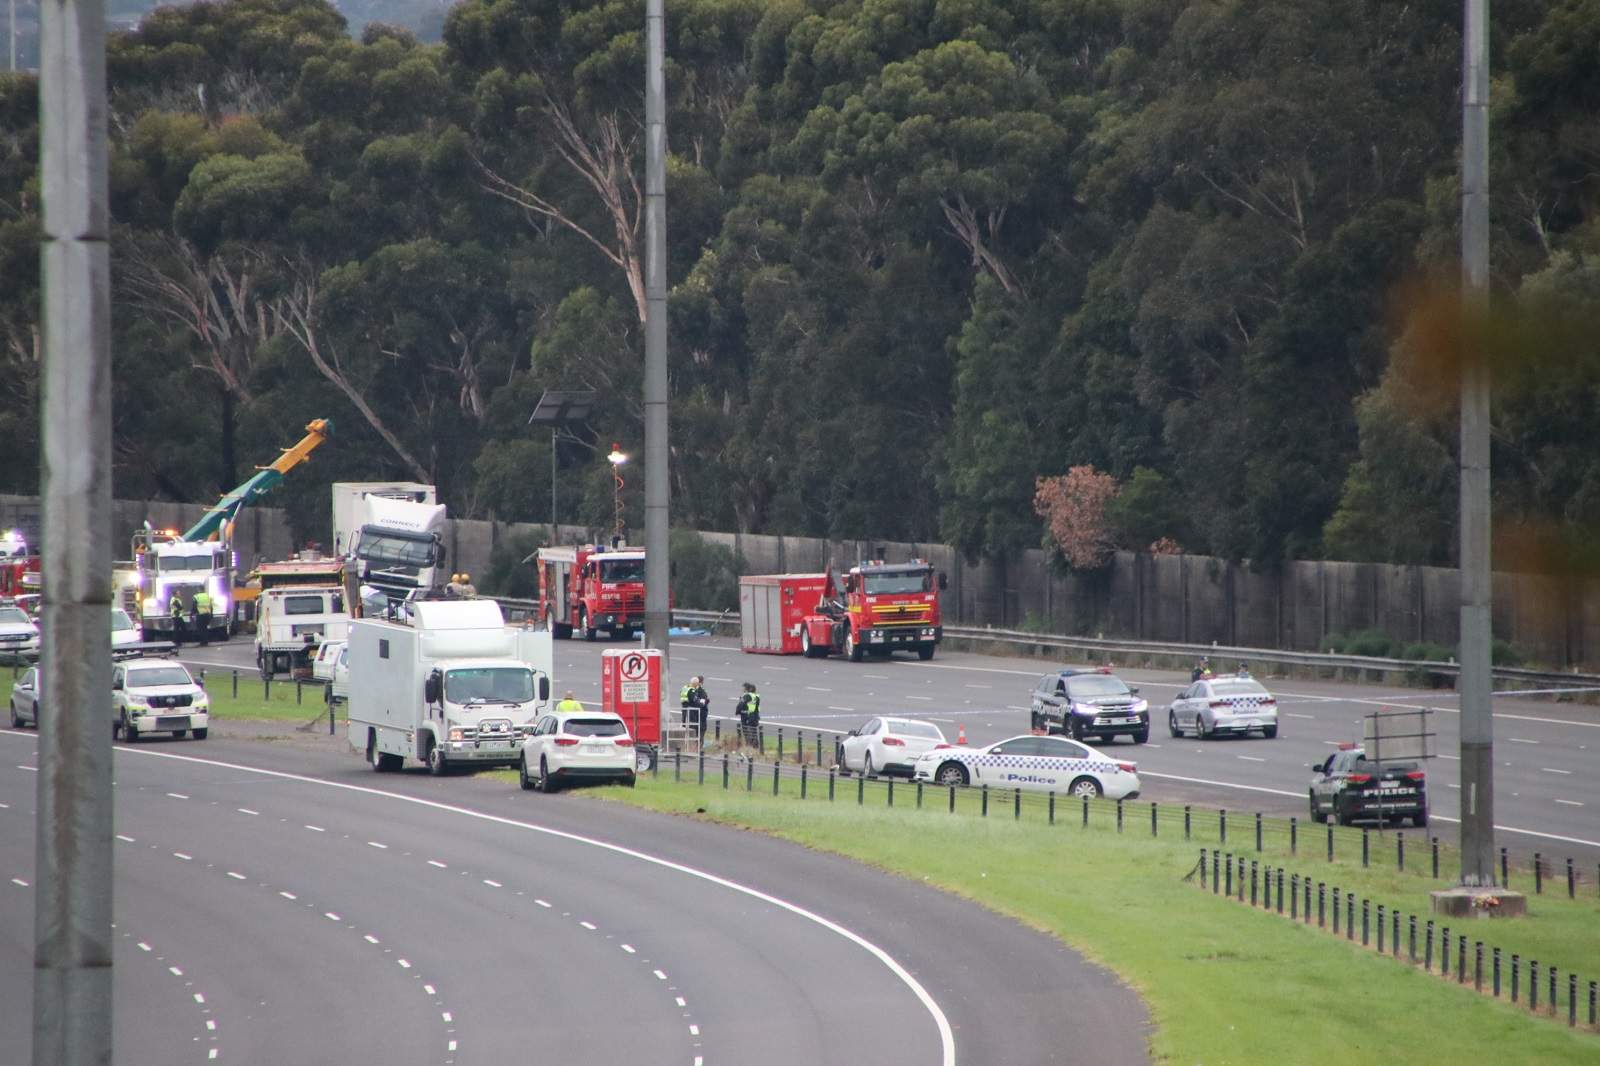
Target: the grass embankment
(1224, 983)
(254, 702)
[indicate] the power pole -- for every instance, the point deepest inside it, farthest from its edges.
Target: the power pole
(657, 570)
(72, 873)
(1477, 722)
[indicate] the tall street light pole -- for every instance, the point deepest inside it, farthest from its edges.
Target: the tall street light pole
(657, 570)
(1477, 723)
(73, 867)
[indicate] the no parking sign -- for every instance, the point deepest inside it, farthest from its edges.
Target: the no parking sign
(630, 686)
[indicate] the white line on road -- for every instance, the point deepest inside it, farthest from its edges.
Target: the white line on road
(316, 829)
(236, 875)
(428, 989)
(814, 688)
(1252, 758)
(1291, 714)
(143, 946)
(681, 1002)
(628, 948)
(19, 882)
(288, 895)
(1553, 770)
(177, 795)
(587, 925)
(30, 769)
(126, 840)
(404, 965)
(694, 1030)
(877, 677)
(1569, 803)
(1519, 740)
(369, 938)
(493, 884)
(332, 917)
(852, 710)
(659, 975)
(436, 862)
(1452, 758)
(925, 698)
(246, 810)
(541, 903)
(175, 971)
(198, 998)
(446, 1016)
(375, 844)
(181, 855)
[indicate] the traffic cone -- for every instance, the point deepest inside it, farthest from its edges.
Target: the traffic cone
(961, 735)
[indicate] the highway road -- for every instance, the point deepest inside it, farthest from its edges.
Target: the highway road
(281, 903)
(1547, 752)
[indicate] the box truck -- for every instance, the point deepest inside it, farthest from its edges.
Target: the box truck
(392, 532)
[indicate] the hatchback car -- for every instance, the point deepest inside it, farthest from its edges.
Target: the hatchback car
(888, 746)
(1039, 764)
(25, 699)
(19, 634)
(1221, 705)
(566, 747)
(157, 696)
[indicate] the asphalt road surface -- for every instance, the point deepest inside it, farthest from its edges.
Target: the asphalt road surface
(1547, 792)
(283, 903)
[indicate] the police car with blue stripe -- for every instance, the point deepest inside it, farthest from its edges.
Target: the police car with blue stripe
(1036, 763)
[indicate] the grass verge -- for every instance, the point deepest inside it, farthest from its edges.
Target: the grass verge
(1224, 984)
(254, 702)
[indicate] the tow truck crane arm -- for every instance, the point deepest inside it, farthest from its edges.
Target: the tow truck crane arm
(228, 508)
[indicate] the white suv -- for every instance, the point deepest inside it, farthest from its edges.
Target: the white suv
(19, 635)
(570, 746)
(157, 696)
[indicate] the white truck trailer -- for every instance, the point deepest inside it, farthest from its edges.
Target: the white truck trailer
(393, 534)
(448, 683)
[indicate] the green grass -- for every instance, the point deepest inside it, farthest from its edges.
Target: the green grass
(253, 703)
(1224, 983)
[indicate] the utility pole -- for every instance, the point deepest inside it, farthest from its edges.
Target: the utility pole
(657, 570)
(73, 866)
(1477, 722)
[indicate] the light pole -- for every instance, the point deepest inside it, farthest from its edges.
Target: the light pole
(560, 409)
(616, 459)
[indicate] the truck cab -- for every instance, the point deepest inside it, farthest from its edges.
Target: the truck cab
(885, 607)
(446, 683)
(393, 535)
(182, 568)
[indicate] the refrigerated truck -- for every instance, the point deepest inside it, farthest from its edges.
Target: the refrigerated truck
(446, 683)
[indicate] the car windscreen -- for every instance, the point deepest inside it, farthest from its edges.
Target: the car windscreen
(1237, 688)
(616, 571)
(171, 563)
(120, 622)
(304, 605)
(594, 727)
(13, 614)
(489, 684)
(156, 676)
(395, 549)
(914, 729)
(1091, 685)
(893, 584)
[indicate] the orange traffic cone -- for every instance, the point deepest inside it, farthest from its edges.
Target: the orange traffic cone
(961, 734)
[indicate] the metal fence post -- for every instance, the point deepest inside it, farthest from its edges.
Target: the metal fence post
(1572, 1000)
(299, 693)
(1222, 826)
(1394, 932)
(1294, 897)
(1203, 868)
(1258, 830)
(889, 781)
(1444, 951)
(1053, 808)
(1381, 924)
(1305, 911)
(1505, 868)
(861, 791)
(1400, 851)
(236, 684)
(1366, 922)
(1216, 871)
(1516, 965)
(1336, 910)
(1477, 967)
(919, 795)
(985, 811)
(1186, 814)
(1016, 804)
(1411, 931)
(780, 743)
(1494, 972)
(1349, 915)
(677, 766)
(1572, 881)
(1153, 830)
(1461, 959)
(774, 778)
(830, 784)
(952, 799)
(700, 770)
(1294, 835)
(802, 780)
(1086, 812)
(1252, 882)
(1533, 984)
(1593, 997)
(1119, 816)
(1322, 904)
(1230, 873)
(1366, 847)
(1538, 874)
(749, 775)
(1330, 843)
(724, 771)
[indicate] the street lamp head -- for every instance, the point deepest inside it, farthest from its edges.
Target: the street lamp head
(616, 458)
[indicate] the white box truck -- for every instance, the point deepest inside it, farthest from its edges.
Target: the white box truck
(393, 534)
(447, 683)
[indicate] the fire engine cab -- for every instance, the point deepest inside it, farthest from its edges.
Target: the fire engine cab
(590, 588)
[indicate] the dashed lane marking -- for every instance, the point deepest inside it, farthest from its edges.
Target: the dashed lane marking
(19, 882)
(1569, 803)
(375, 844)
(316, 829)
(246, 810)
(177, 796)
(1553, 770)
(126, 840)
(236, 875)
(588, 925)
(436, 862)
(493, 884)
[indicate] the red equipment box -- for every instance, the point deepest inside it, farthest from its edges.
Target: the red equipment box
(772, 607)
(630, 686)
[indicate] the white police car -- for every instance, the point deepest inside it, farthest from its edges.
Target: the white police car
(1040, 764)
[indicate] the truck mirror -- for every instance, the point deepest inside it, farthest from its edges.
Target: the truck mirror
(544, 689)
(944, 581)
(850, 582)
(433, 688)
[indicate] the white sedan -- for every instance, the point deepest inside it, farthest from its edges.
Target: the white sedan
(19, 634)
(570, 746)
(1039, 764)
(1220, 705)
(888, 746)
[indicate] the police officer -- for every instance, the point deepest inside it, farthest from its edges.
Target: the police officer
(1201, 669)
(569, 704)
(695, 704)
(749, 712)
(175, 608)
(200, 607)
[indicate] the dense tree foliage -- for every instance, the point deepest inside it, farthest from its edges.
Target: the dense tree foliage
(923, 253)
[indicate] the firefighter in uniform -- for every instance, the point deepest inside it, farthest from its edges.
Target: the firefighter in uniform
(175, 608)
(749, 711)
(200, 608)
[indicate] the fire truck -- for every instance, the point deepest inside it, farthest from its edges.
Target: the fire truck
(883, 607)
(19, 566)
(590, 588)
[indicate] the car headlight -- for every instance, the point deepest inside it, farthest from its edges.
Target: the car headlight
(455, 734)
(1083, 708)
(138, 701)
(1140, 706)
(202, 704)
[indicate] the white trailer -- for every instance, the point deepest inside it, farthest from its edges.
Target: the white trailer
(448, 684)
(393, 534)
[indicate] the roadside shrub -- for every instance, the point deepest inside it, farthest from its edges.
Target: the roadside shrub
(1425, 651)
(705, 577)
(1372, 642)
(1501, 653)
(507, 574)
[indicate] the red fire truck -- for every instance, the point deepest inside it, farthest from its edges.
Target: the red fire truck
(590, 588)
(884, 607)
(19, 566)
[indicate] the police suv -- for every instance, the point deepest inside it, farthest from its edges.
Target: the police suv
(1039, 764)
(1350, 787)
(1089, 703)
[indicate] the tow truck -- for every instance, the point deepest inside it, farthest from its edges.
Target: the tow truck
(883, 607)
(300, 605)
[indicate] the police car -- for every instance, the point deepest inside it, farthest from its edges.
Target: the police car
(1090, 702)
(1039, 764)
(1217, 705)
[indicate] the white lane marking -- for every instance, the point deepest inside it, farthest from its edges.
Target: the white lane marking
(817, 688)
(1452, 785)
(436, 862)
(628, 948)
(694, 1030)
(428, 989)
(1553, 770)
(785, 669)
(452, 1046)
(446, 1016)
(375, 844)
(493, 884)
(211, 1024)
(710, 678)
(175, 971)
(246, 810)
(926, 699)
(885, 677)
(404, 965)
(332, 917)
(1530, 833)
(126, 840)
(212, 1053)
(1252, 758)
(30, 769)
(659, 975)
(852, 710)
(236, 875)
(288, 895)
(369, 938)
(1452, 758)
(198, 998)
(181, 855)
(5, 806)
(588, 925)
(1291, 714)
(1569, 803)
(699, 1060)
(316, 829)
(1519, 740)
(19, 882)
(681, 1003)
(541, 903)
(177, 795)
(947, 1041)
(143, 946)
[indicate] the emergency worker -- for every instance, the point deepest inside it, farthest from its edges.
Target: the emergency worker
(200, 612)
(1202, 669)
(175, 609)
(749, 712)
(569, 704)
(695, 704)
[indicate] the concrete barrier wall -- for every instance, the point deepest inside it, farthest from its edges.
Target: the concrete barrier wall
(1189, 599)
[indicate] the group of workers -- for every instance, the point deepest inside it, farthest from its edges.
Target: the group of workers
(695, 703)
(198, 619)
(1202, 670)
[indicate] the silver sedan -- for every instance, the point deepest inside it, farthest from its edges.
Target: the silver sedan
(1219, 705)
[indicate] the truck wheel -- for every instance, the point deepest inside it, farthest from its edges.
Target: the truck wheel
(852, 650)
(583, 623)
(437, 765)
(806, 647)
(925, 652)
